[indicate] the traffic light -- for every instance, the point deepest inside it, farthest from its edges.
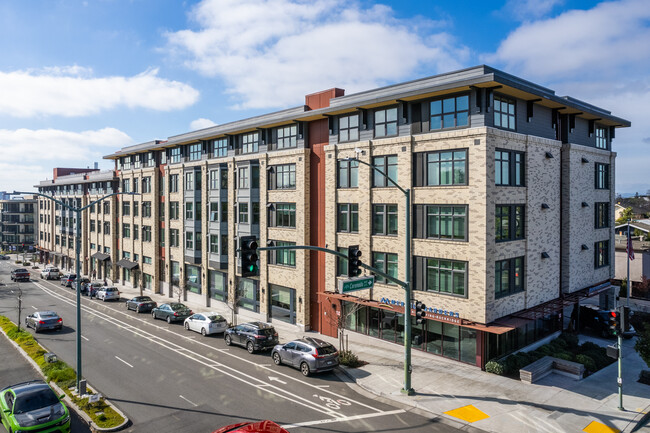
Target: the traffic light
(248, 256)
(354, 263)
(614, 322)
(419, 312)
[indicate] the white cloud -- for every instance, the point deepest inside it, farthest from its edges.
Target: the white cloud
(73, 91)
(28, 156)
(530, 9)
(201, 123)
(271, 53)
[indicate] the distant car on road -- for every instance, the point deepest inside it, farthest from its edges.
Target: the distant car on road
(172, 312)
(20, 274)
(92, 288)
(3, 257)
(253, 336)
(252, 427)
(109, 293)
(50, 273)
(308, 354)
(42, 320)
(206, 323)
(68, 279)
(33, 407)
(141, 304)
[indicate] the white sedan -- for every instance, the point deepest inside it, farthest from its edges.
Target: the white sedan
(206, 323)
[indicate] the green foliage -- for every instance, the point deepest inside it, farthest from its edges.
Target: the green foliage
(642, 345)
(565, 356)
(346, 357)
(588, 346)
(59, 371)
(626, 215)
(496, 366)
(571, 340)
(588, 362)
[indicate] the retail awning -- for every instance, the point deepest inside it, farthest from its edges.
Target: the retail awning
(127, 264)
(100, 256)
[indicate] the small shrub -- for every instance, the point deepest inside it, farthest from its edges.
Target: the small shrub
(546, 350)
(19, 262)
(495, 366)
(26, 264)
(565, 356)
(560, 343)
(571, 340)
(35, 267)
(588, 362)
(588, 346)
(346, 357)
(644, 377)
(59, 372)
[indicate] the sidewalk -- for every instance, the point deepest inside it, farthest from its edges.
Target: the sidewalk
(483, 401)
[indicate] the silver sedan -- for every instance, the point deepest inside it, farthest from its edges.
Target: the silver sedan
(42, 320)
(206, 323)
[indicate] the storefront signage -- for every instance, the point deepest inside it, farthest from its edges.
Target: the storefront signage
(437, 313)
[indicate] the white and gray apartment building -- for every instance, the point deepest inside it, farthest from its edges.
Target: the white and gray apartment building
(511, 189)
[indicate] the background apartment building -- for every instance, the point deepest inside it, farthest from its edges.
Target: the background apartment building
(511, 189)
(18, 222)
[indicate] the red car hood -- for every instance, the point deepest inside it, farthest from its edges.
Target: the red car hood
(252, 427)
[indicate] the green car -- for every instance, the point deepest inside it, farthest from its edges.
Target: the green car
(33, 407)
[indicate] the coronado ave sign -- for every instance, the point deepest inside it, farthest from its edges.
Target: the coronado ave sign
(353, 284)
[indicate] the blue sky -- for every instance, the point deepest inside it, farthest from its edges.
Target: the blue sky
(81, 79)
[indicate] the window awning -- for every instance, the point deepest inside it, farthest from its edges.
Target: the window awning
(100, 256)
(127, 264)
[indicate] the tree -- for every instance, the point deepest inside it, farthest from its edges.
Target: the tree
(626, 215)
(341, 318)
(642, 345)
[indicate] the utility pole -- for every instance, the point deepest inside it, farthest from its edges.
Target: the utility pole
(20, 305)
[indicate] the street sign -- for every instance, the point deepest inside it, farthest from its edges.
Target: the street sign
(354, 284)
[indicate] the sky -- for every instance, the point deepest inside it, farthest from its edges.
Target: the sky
(81, 79)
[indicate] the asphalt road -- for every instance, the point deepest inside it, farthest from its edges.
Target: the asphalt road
(168, 379)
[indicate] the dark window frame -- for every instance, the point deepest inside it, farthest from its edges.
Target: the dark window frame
(601, 254)
(515, 167)
(384, 163)
(601, 215)
(385, 123)
(444, 116)
(510, 112)
(345, 169)
(511, 287)
(345, 213)
(514, 213)
(602, 179)
(347, 131)
(388, 213)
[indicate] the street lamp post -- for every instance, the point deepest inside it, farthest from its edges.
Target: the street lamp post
(77, 212)
(407, 389)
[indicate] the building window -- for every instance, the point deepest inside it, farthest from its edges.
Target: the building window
(214, 211)
(384, 219)
(441, 276)
(387, 263)
(173, 183)
(347, 218)
(446, 168)
(126, 230)
(282, 215)
(287, 136)
(92, 225)
(224, 245)
(224, 178)
(441, 222)
(256, 212)
(509, 222)
(173, 210)
(189, 210)
(146, 233)
(189, 181)
(243, 182)
(214, 180)
(161, 237)
(243, 213)
(175, 155)
(508, 168)
(449, 112)
(601, 254)
(174, 238)
(214, 244)
(136, 233)
(126, 185)
(388, 165)
(146, 209)
(107, 228)
(195, 152)
(602, 176)
(386, 122)
(341, 263)
(601, 138)
(126, 163)
(189, 240)
(224, 211)
(135, 184)
(146, 185)
(150, 160)
(284, 177)
(283, 257)
(348, 174)
(509, 277)
(349, 128)
(250, 142)
(220, 148)
(504, 112)
(602, 215)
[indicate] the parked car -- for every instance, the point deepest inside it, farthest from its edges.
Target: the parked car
(108, 293)
(20, 274)
(308, 354)
(141, 304)
(252, 427)
(253, 336)
(68, 279)
(172, 312)
(33, 406)
(92, 288)
(83, 281)
(206, 323)
(50, 273)
(3, 257)
(42, 320)
(592, 317)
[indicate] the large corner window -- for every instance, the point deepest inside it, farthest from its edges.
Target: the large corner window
(509, 222)
(449, 112)
(441, 276)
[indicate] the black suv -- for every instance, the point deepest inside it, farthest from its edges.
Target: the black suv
(254, 336)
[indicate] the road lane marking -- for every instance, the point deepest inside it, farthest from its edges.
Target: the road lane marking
(120, 359)
(85, 338)
(194, 404)
(343, 419)
(272, 378)
(34, 308)
(210, 363)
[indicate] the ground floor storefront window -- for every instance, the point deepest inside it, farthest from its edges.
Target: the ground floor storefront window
(526, 333)
(147, 281)
(193, 275)
(249, 294)
(283, 303)
(217, 285)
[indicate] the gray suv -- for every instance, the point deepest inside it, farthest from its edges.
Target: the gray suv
(310, 355)
(253, 336)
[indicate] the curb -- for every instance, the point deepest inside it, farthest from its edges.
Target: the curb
(67, 399)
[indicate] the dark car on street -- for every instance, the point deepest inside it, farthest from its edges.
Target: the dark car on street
(20, 274)
(309, 355)
(253, 336)
(42, 320)
(172, 312)
(68, 279)
(33, 407)
(141, 304)
(598, 321)
(3, 257)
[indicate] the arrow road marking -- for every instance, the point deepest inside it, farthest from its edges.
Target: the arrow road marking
(273, 378)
